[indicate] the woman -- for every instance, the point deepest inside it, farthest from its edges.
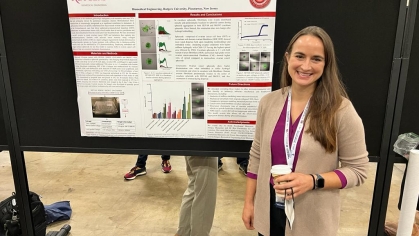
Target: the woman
(330, 132)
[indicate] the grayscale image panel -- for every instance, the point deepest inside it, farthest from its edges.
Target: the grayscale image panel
(244, 66)
(198, 113)
(254, 56)
(244, 56)
(254, 66)
(197, 89)
(198, 101)
(265, 56)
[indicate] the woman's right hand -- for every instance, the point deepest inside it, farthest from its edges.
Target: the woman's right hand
(247, 216)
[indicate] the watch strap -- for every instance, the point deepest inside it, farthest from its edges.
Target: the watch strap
(314, 182)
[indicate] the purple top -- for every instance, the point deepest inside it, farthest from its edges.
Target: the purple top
(278, 148)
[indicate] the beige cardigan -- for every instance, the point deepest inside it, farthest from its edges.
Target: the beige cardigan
(317, 211)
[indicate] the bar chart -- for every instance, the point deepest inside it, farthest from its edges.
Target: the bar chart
(169, 100)
(169, 112)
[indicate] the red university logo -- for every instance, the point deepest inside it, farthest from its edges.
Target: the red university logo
(260, 3)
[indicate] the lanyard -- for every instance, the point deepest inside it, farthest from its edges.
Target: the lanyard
(290, 152)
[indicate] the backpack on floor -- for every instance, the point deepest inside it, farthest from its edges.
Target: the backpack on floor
(9, 216)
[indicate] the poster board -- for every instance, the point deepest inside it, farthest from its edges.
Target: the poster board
(45, 91)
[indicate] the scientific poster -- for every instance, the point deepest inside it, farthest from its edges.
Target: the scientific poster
(171, 69)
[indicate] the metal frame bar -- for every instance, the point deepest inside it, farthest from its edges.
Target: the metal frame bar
(407, 42)
(16, 155)
(374, 223)
(395, 99)
(133, 151)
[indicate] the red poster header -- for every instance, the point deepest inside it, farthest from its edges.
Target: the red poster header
(232, 122)
(102, 15)
(239, 84)
(107, 54)
(207, 15)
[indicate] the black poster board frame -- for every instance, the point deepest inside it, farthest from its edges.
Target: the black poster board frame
(16, 154)
(402, 65)
(43, 104)
(219, 148)
(3, 137)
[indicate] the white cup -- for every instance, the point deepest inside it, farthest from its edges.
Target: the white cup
(278, 170)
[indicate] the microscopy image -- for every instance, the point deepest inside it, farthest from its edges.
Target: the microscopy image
(254, 56)
(254, 61)
(148, 44)
(198, 89)
(244, 56)
(149, 61)
(265, 66)
(147, 28)
(244, 66)
(198, 101)
(265, 56)
(198, 113)
(254, 66)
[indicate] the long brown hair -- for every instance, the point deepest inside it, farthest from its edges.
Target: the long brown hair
(328, 94)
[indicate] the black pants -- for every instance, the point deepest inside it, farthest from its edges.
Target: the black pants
(278, 218)
(239, 160)
(142, 160)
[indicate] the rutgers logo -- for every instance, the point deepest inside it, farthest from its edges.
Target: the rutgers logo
(260, 3)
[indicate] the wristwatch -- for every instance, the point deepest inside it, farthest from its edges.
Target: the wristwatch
(319, 181)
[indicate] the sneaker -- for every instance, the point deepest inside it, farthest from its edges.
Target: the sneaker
(134, 172)
(220, 166)
(165, 166)
(243, 167)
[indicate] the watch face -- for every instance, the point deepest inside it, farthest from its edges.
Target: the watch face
(320, 183)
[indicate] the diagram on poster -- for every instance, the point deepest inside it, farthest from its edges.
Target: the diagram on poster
(256, 29)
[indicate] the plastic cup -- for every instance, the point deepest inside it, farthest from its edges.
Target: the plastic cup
(278, 170)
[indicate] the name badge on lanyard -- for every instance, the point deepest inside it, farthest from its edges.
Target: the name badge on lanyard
(290, 152)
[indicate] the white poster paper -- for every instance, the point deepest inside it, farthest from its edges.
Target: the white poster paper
(171, 69)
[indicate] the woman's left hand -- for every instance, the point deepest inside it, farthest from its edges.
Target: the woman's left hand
(300, 183)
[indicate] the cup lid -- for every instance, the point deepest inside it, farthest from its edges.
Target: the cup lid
(280, 169)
